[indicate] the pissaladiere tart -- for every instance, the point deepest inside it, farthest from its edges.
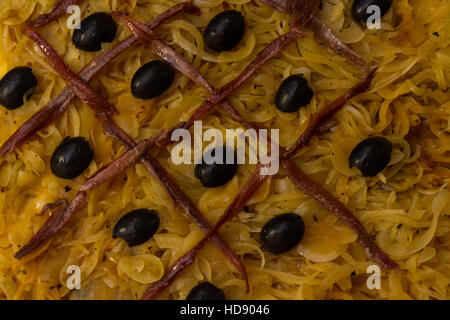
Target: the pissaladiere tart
(354, 98)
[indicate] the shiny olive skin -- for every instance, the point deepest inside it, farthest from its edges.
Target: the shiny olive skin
(282, 233)
(17, 84)
(94, 30)
(225, 31)
(215, 175)
(359, 8)
(152, 80)
(206, 291)
(137, 226)
(371, 156)
(71, 158)
(293, 94)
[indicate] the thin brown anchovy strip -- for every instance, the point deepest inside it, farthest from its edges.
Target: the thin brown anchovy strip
(58, 220)
(53, 224)
(327, 112)
(141, 31)
(308, 185)
(268, 53)
(169, 277)
(163, 50)
(303, 11)
(77, 85)
(326, 127)
(337, 45)
(58, 11)
(197, 216)
(250, 187)
(59, 104)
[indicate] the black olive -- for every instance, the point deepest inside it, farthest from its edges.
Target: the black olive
(225, 31)
(137, 226)
(359, 8)
(17, 84)
(152, 79)
(94, 30)
(282, 233)
(293, 94)
(206, 291)
(371, 156)
(71, 158)
(216, 174)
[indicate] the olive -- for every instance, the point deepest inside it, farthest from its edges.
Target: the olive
(71, 158)
(206, 291)
(152, 79)
(137, 226)
(293, 94)
(225, 31)
(94, 30)
(359, 8)
(214, 174)
(282, 233)
(371, 156)
(18, 84)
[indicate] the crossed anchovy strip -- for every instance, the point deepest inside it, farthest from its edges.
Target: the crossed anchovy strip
(303, 13)
(58, 11)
